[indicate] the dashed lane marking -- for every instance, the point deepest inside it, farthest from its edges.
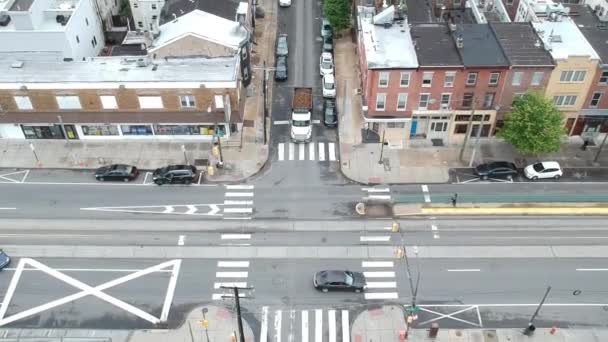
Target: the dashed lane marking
(233, 264)
(375, 238)
(231, 274)
(377, 264)
(239, 194)
(425, 191)
(181, 240)
(236, 236)
(388, 295)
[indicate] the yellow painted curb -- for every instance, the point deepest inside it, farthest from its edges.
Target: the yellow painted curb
(516, 211)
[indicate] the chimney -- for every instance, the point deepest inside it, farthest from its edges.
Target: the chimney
(459, 42)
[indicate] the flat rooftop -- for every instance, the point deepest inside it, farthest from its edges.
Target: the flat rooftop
(434, 45)
(21, 5)
(564, 39)
(388, 46)
(593, 29)
(120, 69)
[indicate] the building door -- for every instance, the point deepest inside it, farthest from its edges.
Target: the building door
(438, 128)
(70, 131)
(413, 128)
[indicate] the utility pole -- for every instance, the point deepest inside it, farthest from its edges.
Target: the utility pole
(382, 146)
(239, 316)
(530, 328)
(597, 155)
(413, 309)
(469, 129)
(265, 91)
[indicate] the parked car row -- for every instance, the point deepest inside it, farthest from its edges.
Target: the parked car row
(170, 174)
(327, 71)
(503, 169)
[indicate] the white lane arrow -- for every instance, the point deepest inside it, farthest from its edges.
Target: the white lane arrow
(191, 209)
(168, 209)
(214, 209)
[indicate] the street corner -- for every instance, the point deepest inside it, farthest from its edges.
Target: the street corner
(379, 323)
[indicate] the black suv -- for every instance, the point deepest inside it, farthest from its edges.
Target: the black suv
(174, 174)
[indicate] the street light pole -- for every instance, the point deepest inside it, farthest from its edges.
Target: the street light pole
(530, 328)
(597, 155)
(239, 316)
(382, 146)
(469, 129)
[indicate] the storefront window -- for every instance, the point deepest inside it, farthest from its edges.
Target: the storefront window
(99, 130)
(136, 129)
(42, 132)
(183, 129)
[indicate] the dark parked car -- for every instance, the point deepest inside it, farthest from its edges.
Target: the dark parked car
(330, 113)
(282, 46)
(499, 169)
(280, 74)
(328, 44)
(326, 30)
(5, 260)
(339, 281)
(174, 174)
(116, 172)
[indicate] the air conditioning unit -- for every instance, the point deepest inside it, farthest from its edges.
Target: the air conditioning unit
(445, 106)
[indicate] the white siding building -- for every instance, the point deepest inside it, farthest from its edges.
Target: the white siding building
(57, 29)
(146, 14)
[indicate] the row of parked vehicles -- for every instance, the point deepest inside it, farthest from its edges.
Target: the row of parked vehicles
(504, 169)
(170, 174)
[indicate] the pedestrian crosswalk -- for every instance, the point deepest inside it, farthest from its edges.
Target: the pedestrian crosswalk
(377, 193)
(314, 325)
(230, 274)
(238, 202)
(320, 151)
(380, 277)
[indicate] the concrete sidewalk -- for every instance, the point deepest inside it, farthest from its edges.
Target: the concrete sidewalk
(386, 322)
(420, 162)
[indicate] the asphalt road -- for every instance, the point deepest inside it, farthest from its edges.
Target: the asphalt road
(503, 290)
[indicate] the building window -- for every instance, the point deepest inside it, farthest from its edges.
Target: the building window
(77, 39)
(572, 76)
(150, 102)
(595, 99)
(564, 100)
(23, 102)
(383, 79)
(108, 102)
(395, 125)
(494, 77)
(604, 78)
(445, 100)
(380, 102)
(488, 100)
(68, 102)
(427, 79)
(140, 24)
(467, 100)
(99, 130)
(424, 101)
(401, 101)
(154, 17)
(405, 79)
(460, 128)
(136, 130)
(516, 79)
(537, 78)
(94, 41)
(448, 81)
(515, 97)
(457, 3)
(187, 101)
(187, 130)
(471, 78)
(219, 101)
(153, 6)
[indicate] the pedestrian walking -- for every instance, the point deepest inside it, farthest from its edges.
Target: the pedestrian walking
(454, 200)
(585, 144)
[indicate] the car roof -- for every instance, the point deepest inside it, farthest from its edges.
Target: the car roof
(501, 164)
(327, 55)
(328, 78)
(332, 275)
(550, 165)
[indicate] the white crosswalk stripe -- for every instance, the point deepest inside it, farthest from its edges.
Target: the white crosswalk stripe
(316, 151)
(316, 325)
(238, 202)
(230, 274)
(380, 281)
(377, 194)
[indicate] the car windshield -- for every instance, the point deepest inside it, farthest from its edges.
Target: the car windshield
(326, 65)
(301, 123)
(538, 167)
(348, 278)
(328, 85)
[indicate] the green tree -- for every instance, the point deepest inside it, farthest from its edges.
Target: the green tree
(534, 126)
(338, 13)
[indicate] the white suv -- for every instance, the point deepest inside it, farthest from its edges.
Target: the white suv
(329, 86)
(326, 64)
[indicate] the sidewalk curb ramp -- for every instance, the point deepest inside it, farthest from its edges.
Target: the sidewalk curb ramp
(472, 209)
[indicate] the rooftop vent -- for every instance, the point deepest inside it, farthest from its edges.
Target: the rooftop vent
(17, 64)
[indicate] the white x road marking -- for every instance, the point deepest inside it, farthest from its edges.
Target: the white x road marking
(88, 290)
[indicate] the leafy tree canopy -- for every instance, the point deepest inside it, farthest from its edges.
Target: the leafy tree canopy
(534, 126)
(338, 12)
